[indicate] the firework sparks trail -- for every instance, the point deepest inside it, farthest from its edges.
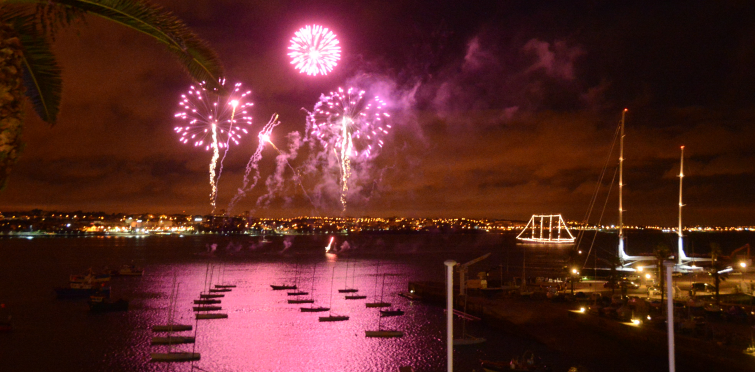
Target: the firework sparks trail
(352, 125)
(277, 178)
(207, 114)
(314, 50)
(252, 165)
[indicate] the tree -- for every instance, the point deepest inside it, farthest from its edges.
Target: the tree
(28, 66)
(662, 252)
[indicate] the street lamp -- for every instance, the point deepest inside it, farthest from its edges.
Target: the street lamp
(574, 273)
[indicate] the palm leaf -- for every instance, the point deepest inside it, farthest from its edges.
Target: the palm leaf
(199, 60)
(41, 73)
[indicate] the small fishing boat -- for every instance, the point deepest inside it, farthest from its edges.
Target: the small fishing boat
(101, 304)
(172, 340)
(82, 290)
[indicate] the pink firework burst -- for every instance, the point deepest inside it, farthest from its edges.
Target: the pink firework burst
(314, 50)
(202, 112)
(347, 118)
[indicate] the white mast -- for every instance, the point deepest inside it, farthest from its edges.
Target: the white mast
(680, 254)
(622, 254)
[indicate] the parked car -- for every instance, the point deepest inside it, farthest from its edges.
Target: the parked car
(654, 290)
(621, 284)
(703, 288)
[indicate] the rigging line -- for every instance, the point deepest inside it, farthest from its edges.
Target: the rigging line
(597, 186)
(600, 220)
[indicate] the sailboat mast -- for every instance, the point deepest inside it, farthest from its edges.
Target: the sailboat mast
(680, 253)
(621, 187)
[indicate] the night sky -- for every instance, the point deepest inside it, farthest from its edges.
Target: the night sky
(500, 109)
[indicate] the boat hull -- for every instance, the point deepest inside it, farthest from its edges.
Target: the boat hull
(217, 290)
(384, 334)
(334, 318)
(174, 357)
(386, 313)
(348, 290)
(355, 297)
(210, 295)
(282, 287)
(207, 308)
(302, 301)
(212, 316)
(314, 309)
(299, 293)
(172, 340)
(225, 286)
(206, 302)
(171, 328)
(377, 304)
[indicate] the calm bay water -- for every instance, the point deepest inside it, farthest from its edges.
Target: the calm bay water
(263, 332)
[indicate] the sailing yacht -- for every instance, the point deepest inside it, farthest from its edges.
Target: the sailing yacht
(170, 340)
(346, 288)
(378, 303)
(331, 317)
(313, 308)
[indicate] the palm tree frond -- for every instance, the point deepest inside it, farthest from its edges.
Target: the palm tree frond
(199, 60)
(42, 75)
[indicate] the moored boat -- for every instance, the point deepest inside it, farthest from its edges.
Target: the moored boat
(313, 309)
(355, 297)
(282, 287)
(171, 328)
(391, 312)
(172, 340)
(383, 333)
(211, 316)
(302, 301)
(174, 356)
(207, 308)
(206, 302)
(211, 295)
(334, 318)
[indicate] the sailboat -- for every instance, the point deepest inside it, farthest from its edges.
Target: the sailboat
(296, 283)
(204, 308)
(312, 308)
(383, 333)
(378, 303)
(346, 288)
(283, 286)
(223, 284)
(170, 355)
(331, 317)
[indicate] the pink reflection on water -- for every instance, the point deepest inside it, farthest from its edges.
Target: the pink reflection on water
(264, 332)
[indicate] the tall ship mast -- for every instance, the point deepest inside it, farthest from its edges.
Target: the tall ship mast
(622, 253)
(680, 254)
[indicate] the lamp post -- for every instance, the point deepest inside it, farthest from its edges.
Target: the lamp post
(450, 312)
(574, 274)
(670, 315)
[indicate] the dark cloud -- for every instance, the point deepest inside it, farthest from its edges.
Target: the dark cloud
(500, 109)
